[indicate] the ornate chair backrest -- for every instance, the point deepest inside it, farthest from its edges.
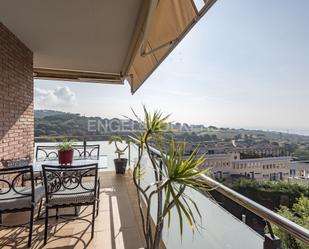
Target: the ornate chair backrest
(46, 153)
(50, 152)
(10, 179)
(91, 151)
(64, 180)
(18, 163)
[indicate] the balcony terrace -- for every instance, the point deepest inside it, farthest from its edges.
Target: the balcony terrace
(118, 224)
(106, 42)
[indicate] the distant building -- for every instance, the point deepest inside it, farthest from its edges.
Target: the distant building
(230, 165)
(299, 169)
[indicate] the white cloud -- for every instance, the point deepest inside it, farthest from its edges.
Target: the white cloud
(60, 97)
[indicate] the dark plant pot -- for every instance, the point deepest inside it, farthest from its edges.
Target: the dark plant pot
(120, 165)
(65, 157)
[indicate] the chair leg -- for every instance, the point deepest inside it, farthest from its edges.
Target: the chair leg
(98, 197)
(31, 226)
(46, 225)
(57, 213)
(40, 208)
(98, 206)
(93, 219)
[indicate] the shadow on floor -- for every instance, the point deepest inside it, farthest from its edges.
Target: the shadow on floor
(116, 227)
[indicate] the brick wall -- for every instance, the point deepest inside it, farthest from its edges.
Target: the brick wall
(16, 97)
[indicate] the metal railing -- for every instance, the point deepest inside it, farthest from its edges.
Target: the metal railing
(269, 216)
(261, 211)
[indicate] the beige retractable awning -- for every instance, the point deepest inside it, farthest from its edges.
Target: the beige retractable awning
(106, 41)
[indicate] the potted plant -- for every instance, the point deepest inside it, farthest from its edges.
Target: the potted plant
(174, 172)
(120, 163)
(65, 152)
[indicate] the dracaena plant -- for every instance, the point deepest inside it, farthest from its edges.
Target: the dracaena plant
(118, 140)
(174, 173)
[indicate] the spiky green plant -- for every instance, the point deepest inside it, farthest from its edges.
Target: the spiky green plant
(118, 140)
(173, 174)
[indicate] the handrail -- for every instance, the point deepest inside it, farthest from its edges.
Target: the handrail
(285, 224)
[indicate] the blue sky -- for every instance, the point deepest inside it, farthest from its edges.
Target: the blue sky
(245, 64)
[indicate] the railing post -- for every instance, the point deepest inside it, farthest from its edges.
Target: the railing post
(139, 165)
(244, 218)
(85, 146)
(129, 152)
(36, 153)
(160, 195)
(271, 240)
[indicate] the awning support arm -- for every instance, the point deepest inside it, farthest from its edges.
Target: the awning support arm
(149, 19)
(169, 43)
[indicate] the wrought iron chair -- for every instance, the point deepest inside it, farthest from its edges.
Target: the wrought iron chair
(70, 186)
(14, 198)
(37, 176)
(18, 163)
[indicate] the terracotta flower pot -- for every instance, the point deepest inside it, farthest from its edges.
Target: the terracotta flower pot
(65, 157)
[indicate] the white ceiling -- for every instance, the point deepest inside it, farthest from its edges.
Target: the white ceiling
(86, 35)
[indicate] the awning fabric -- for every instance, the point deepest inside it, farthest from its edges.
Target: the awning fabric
(170, 19)
(100, 40)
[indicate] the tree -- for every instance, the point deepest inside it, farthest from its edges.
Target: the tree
(214, 137)
(206, 137)
(273, 192)
(301, 154)
(298, 214)
(238, 136)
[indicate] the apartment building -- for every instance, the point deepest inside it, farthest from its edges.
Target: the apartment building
(299, 169)
(230, 165)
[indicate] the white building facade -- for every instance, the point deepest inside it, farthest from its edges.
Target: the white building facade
(231, 166)
(300, 169)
